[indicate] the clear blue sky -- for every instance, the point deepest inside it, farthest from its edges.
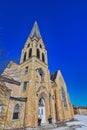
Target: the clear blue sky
(63, 26)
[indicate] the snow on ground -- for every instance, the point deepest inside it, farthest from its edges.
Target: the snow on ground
(82, 121)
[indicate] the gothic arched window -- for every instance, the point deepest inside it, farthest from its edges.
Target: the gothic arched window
(16, 111)
(28, 45)
(30, 52)
(43, 57)
(41, 72)
(40, 46)
(63, 97)
(38, 53)
(0, 110)
(26, 70)
(41, 102)
(24, 57)
(25, 86)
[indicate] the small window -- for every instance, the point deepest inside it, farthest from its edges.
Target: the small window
(40, 46)
(26, 70)
(24, 86)
(16, 111)
(0, 110)
(28, 45)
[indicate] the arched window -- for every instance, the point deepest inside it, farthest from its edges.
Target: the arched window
(24, 57)
(28, 45)
(41, 72)
(63, 97)
(16, 111)
(24, 86)
(38, 53)
(0, 110)
(41, 102)
(26, 70)
(40, 46)
(43, 57)
(30, 52)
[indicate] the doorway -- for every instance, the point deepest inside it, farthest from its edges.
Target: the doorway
(41, 110)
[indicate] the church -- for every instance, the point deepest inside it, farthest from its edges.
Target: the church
(28, 91)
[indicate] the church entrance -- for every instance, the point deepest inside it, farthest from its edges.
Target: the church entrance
(41, 111)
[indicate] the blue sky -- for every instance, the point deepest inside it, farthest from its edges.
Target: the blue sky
(63, 26)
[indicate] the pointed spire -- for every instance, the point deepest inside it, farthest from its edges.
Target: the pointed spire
(35, 31)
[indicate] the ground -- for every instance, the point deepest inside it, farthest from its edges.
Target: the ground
(80, 123)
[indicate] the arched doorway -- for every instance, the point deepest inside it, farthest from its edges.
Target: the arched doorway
(41, 110)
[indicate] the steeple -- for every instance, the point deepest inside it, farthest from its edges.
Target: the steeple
(34, 46)
(35, 31)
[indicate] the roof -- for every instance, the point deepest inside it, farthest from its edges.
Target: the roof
(53, 76)
(81, 107)
(35, 31)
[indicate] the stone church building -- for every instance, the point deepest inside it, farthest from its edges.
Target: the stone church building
(28, 91)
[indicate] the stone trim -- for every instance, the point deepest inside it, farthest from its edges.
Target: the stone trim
(19, 99)
(12, 81)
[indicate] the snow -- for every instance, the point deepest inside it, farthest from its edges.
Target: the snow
(81, 120)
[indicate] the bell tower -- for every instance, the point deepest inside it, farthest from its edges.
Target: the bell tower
(35, 77)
